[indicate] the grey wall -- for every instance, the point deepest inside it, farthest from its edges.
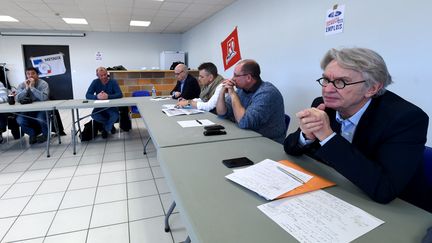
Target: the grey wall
(287, 38)
(132, 50)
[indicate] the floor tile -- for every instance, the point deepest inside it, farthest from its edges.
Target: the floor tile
(74, 237)
(139, 174)
(61, 172)
(111, 193)
(43, 203)
(13, 206)
(54, 185)
(109, 157)
(34, 240)
(111, 178)
(9, 178)
(109, 213)
(3, 189)
(161, 185)
(22, 189)
(43, 164)
(141, 189)
(68, 161)
(157, 172)
(178, 230)
(109, 234)
(149, 231)
(68, 220)
(145, 207)
(137, 163)
(92, 159)
(33, 175)
(153, 160)
(78, 198)
(5, 224)
(30, 226)
(113, 166)
(88, 169)
(81, 182)
(17, 167)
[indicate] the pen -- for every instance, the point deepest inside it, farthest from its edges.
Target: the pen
(291, 175)
(199, 122)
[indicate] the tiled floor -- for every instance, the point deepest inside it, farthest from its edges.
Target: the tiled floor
(108, 192)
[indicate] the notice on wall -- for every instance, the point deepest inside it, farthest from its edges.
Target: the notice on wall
(334, 23)
(49, 65)
(98, 56)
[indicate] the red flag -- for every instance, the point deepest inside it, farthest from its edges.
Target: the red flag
(230, 50)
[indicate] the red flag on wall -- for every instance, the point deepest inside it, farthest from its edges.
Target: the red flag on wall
(230, 50)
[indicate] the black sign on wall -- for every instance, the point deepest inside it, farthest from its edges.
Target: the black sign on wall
(53, 63)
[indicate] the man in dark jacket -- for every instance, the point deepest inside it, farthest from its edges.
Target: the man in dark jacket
(187, 86)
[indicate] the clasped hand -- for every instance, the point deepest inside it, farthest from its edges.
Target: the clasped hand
(314, 123)
(102, 95)
(228, 86)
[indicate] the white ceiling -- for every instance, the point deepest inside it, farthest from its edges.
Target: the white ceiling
(168, 16)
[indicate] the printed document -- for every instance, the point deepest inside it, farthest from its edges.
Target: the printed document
(101, 101)
(195, 123)
(318, 216)
(266, 179)
(158, 98)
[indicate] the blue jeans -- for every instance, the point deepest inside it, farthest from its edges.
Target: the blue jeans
(31, 126)
(107, 117)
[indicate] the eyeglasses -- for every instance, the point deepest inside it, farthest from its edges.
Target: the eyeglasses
(240, 75)
(337, 83)
(178, 73)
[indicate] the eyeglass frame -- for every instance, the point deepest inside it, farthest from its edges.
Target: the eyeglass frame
(240, 75)
(176, 74)
(340, 80)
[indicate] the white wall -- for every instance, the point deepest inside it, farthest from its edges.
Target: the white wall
(132, 50)
(287, 38)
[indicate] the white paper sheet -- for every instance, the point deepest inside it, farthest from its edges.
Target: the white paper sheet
(159, 98)
(179, 112)
(318, 216)
(101, 101)
(267, 180)
(195, 123)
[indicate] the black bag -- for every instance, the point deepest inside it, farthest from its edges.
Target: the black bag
(125, 121)
(90, 130)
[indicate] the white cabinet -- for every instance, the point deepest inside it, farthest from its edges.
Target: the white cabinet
(168, 57)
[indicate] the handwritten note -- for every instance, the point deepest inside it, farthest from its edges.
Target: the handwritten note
(195, 123)
(267, 180)
(318, 216)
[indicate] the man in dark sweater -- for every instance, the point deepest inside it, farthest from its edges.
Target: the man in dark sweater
(104, 88)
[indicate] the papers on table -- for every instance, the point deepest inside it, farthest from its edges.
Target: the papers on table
(320, 217)
(267, 180)
(101, 101)
(195, 123)
(172, 110)
(158, 98)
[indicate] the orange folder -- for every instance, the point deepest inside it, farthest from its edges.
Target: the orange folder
(313, 184)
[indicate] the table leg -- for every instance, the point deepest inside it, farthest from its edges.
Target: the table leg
(73, 132)
(170, 210)
(48, 119)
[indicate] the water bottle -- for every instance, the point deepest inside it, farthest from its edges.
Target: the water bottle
(153, 91)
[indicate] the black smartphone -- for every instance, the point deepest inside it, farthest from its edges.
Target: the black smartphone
(237, 162)
(213, 132)
(85, 101)
(214, 127)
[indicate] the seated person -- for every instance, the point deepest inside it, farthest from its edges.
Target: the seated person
(370, 135)
(211, 84)
(3, 116)
(187, 86)
(34, 89)
(256, 105)
(104, 88)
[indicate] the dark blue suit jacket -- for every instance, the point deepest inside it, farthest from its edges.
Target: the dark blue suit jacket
(385, 158)
(191, 88)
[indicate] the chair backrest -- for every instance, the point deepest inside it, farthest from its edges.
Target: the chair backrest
(428, 164)
(287, 121)
(138, 93)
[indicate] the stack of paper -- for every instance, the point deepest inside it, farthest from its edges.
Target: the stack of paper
(268, 180)
(172, 110)
(320, 217)
(158, 98)
(195, 123)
